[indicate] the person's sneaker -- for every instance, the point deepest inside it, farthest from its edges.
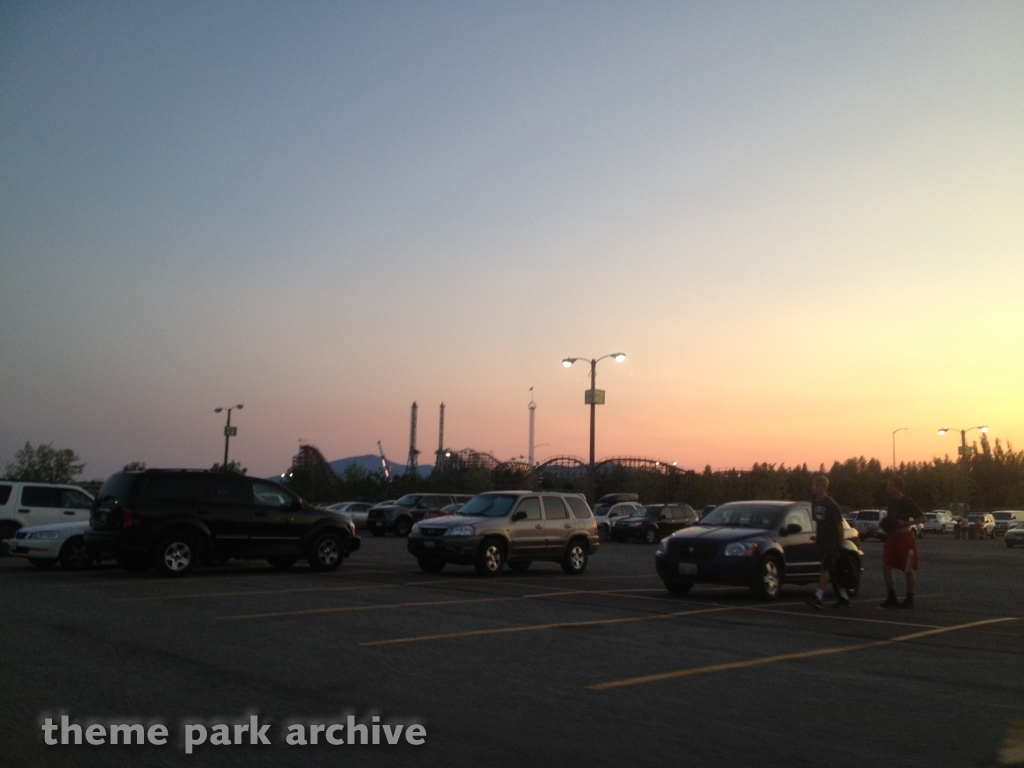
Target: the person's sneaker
(842, 602)
(815, 602)
(908, 602)
(890, 602)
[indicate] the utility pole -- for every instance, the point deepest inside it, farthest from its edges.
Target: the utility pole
(533, 408)
(440, 439)
(413, 465)
(229, 432)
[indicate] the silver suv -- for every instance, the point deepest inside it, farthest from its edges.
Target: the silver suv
(514, 527)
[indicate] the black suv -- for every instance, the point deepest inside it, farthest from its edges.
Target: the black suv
(172, 518)
(398, 518)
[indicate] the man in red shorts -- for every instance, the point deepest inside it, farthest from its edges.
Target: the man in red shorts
(900, 550)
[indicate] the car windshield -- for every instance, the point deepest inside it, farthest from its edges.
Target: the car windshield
(764, 516)
(929, 515)
(409, 500)
(646, 512)
(1001, 515)
(488, 505)
(867, 515)
(1019, 527)
(601, 510)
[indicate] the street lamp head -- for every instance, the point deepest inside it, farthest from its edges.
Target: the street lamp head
(984, 429)
(619, 357)
(217, 410)
(239, 406)
(568, 362)
(943, 431)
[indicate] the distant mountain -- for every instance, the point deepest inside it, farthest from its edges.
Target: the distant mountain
(371, 463)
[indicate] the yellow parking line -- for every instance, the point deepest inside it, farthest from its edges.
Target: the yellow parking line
(297, 590)
(839, 617)
(538, 627)
(344, 609)
(786, 656)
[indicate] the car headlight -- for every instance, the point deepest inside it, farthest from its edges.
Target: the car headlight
(44, 535)
(663, 546)
(741, 549)
(462, 530)
(415, 528)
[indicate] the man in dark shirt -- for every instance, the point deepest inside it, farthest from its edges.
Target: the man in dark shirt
(829, 538)
(900, 549)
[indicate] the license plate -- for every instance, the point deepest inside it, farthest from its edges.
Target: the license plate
(687, 569)
(428, 545)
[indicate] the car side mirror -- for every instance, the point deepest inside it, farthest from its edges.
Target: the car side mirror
(793, 528)
(520, 515)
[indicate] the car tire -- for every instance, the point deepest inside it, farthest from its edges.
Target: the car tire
(520, 565)
(679, 587)
(327, 552)
(651, 535)
(7, 531)
(574, 561)
(849, 574)
(74, 556)
(403, 526)
(43, 563)
(282, 562)
(133, 564)
(490, 559)
(431, 564)
(602, 533)
(176, 555)
(767, 584)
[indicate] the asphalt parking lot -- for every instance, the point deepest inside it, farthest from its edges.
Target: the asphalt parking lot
(524, 669)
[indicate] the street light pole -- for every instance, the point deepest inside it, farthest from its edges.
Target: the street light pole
(228, 432)
(964, 452)
(894, 446)
(592, 397)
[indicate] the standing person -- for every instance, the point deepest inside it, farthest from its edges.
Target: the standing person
(829, 537)
(964, 527)
(900, 550)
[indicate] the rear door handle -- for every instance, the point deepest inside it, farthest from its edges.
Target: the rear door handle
(69, 512)
(567, 526)
(24, 511)
(814, 538)
(538, 526)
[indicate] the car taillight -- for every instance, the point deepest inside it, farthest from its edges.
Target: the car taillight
(126, 517)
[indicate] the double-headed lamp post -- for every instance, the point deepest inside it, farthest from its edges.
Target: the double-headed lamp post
(964, 452)
(592, 398)
(229, 431)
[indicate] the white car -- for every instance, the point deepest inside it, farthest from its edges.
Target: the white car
(354, 509)
(1006, 519)
(939, 521)
(46, 545)
(1015, 536)
(607, 514)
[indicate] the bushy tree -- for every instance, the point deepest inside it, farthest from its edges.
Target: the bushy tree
(45, 464)
(231, 466)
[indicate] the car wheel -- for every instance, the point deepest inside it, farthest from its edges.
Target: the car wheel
(133, 564)
(281, 562)
(651, 535)
(74, 556)
(176, 555)
(574, 561)
(327, 552)
(43, 562)
(767, 583)
(431, 564)
(491, 557)
(402, 527)
(849, 575)
(679, 587)
(602, 532)
(520, 565)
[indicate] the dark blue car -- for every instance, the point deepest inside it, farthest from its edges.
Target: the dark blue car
(760, 544)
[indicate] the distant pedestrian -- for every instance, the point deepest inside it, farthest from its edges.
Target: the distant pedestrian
(965, 527)
(900, 549)
(829, 538)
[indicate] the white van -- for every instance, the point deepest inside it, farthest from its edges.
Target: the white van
(1006, 519)
(23, 504)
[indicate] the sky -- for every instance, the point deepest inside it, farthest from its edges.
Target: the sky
(803, 223)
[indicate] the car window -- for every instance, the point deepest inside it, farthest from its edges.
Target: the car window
(799, 517)
(689, 513)
(42, 496)
(226, 489)
(76, 500)
(869, 516)
(668, 513)
(269, 495)
(554, 508)
(5, 493)
(579, 507)
(172, 486)
(531, 506)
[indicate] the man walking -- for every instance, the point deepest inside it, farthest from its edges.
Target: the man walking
(829, 538)
(900, 549)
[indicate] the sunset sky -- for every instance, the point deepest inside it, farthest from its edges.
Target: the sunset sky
(802, 222)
